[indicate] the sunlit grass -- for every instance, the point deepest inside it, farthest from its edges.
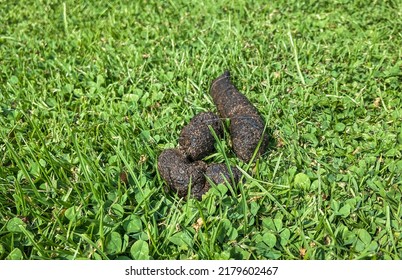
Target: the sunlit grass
(90, 94)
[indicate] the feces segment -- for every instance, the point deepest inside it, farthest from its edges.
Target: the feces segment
(196, 140)
(182, 174)
(182, 168)
(219, 173)
(246, 124)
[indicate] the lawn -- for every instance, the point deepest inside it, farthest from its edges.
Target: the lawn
(91, 93)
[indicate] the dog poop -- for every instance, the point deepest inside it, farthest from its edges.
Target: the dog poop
(246, 125)
(219, 173)
(196, 140)
(183, 168)
(246, 133)
(182, 174)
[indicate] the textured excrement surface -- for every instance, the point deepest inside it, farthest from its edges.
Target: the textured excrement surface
(246, 125)
(196, 140)
(183, 168)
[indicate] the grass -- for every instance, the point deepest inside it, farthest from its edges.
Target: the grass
(91, 92)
